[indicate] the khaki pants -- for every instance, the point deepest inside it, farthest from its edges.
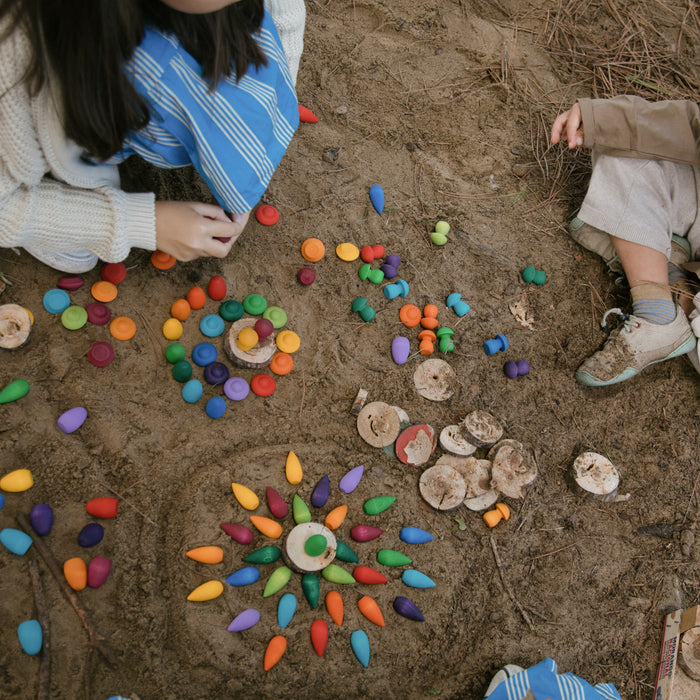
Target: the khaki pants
(643, 201)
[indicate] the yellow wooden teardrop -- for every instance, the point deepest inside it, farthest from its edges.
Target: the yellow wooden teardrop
(18, 480)
(207, 591)
(293, 469)
(245, 496)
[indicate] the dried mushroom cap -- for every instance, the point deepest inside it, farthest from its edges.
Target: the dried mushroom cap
(484, 501)
(596, 475)
(378, 424)
(512, 467)
(475, 472)
(443, 487)
(15, 326)
(482, 429)
(452, 439)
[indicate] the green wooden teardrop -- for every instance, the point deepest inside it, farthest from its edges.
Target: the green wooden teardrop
(378, 504)
(264, 555)
(311, 588)
(278, 580)
(300, 511)
(336, 574)
(15, 390)
(390, 557)
(345, 553)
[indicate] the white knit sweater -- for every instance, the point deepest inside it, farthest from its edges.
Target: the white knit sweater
(289, 17)
(61, 210)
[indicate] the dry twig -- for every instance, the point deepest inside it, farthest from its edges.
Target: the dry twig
(506, 585)
(96, 639)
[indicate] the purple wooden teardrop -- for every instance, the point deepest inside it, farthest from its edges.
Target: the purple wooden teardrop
(41, 518)
(321, 492)
(90, 535)
(400, 349)
(408, 608)
(240, 533)
(364, 533)
(98, 571)
(247, 619)
(277, 505)
(350, 481)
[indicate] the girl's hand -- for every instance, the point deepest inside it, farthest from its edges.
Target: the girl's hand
(568, 127)
(190, 230)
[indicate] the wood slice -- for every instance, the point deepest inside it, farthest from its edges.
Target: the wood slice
(689, 658)
(404, 420)
(453, 439)
(475, 472)
(486, 500)
(416, 444)
(15, 326)
(443, 487)
(596, 476)
(435, 380)
(255, 358)
(482, 429)
(512, 467)
(295, 555)
(378, 424)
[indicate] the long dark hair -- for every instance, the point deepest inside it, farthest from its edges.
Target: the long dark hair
(83, 44)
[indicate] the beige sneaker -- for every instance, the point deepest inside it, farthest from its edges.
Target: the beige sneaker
(634, 345)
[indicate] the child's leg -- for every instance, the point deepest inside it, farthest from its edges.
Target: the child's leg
(653, 333)
(647, 274)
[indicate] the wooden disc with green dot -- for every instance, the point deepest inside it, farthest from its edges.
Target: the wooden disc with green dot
(315, 545)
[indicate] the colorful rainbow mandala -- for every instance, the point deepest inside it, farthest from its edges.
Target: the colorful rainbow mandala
(312, 550)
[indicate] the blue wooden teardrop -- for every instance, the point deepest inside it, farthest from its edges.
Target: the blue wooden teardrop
(376, 196)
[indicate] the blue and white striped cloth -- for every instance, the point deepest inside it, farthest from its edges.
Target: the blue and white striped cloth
(545, 682)
(234, 136)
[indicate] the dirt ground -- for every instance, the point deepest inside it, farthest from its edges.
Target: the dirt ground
(426, 99)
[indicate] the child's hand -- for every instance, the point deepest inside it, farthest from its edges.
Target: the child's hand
(568, 127)
(190, 230)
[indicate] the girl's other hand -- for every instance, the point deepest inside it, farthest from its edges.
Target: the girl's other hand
(568, 127)
(191, 230)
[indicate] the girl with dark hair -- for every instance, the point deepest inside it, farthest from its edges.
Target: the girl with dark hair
(85, 84)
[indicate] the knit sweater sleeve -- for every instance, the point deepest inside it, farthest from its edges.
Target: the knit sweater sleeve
(50, 203)
(289, 17)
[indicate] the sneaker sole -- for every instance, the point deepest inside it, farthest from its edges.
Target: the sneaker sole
(588, 379)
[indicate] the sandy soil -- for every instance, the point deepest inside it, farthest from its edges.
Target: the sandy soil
(425, 99)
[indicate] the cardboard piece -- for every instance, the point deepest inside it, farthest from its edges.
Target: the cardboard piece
(671, 682)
